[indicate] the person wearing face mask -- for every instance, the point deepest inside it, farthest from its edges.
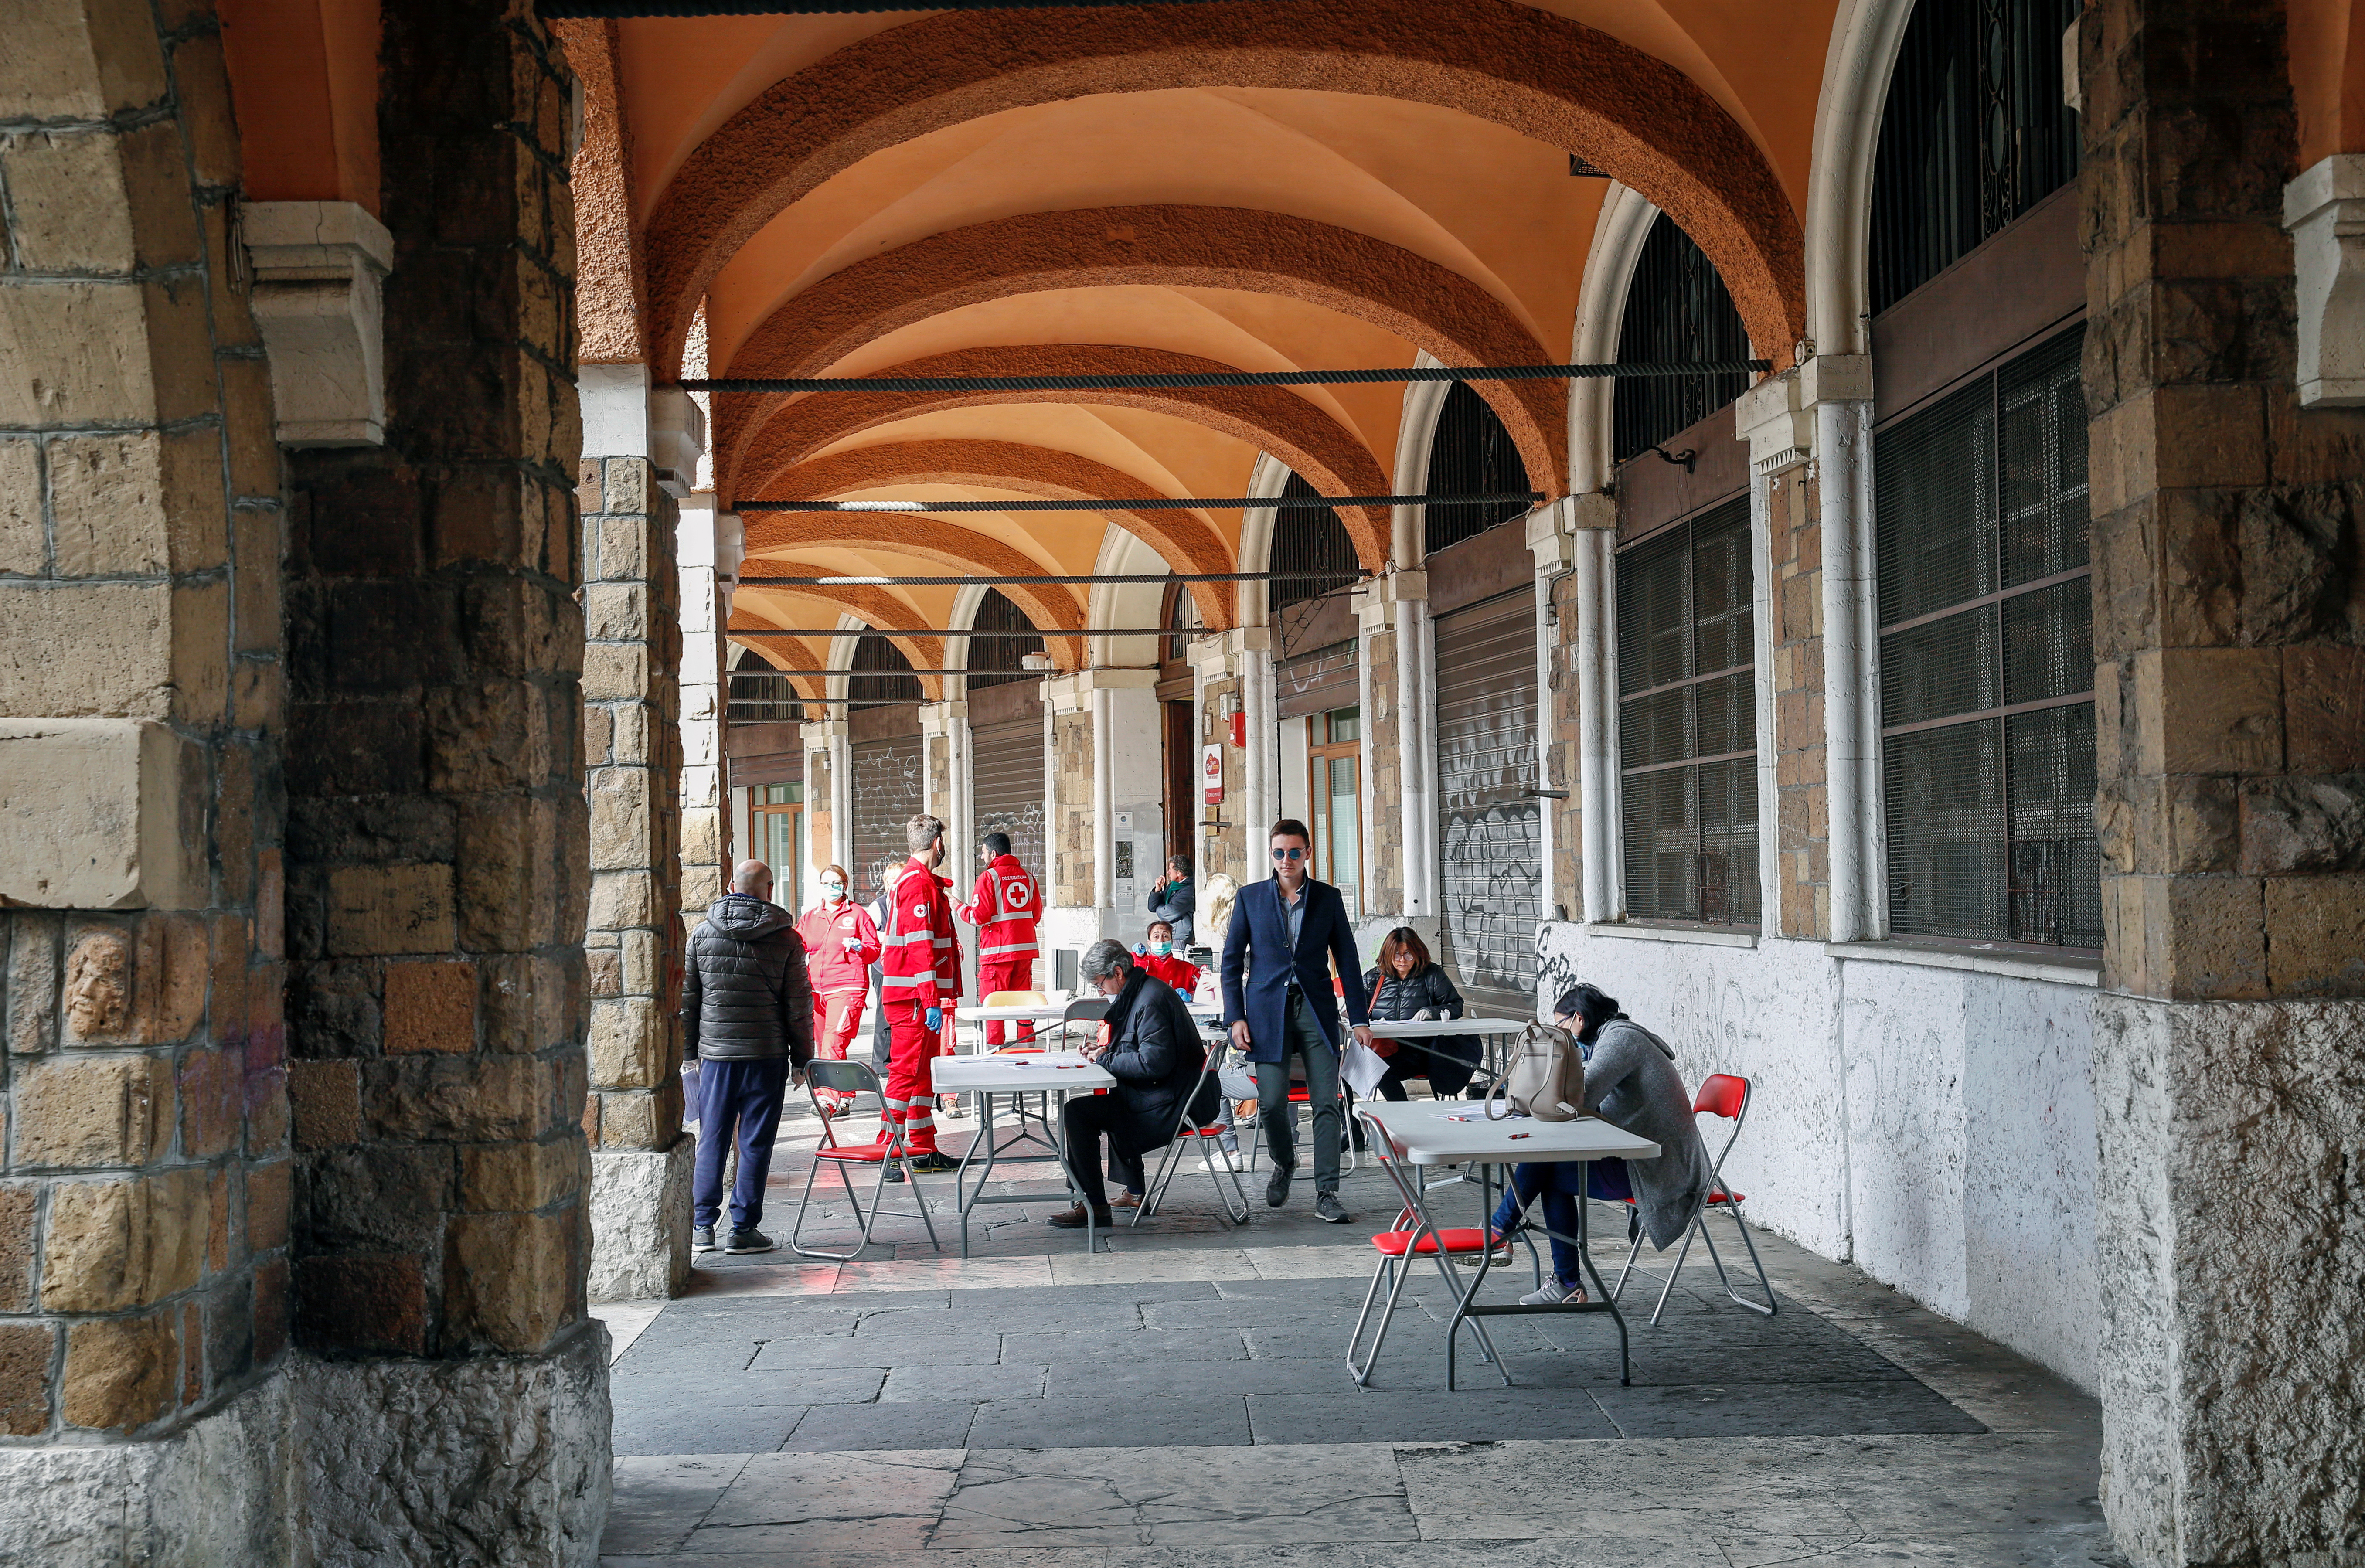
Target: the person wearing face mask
(1157, 956)
(916, 942)
(841, 942)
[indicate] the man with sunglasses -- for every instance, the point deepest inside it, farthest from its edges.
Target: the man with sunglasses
(1287, 934)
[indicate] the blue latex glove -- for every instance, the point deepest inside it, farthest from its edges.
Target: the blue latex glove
(935, 1019)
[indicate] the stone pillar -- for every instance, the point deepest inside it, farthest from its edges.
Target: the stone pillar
(640, 1155)
(1416, 651)
(709, 546)
(1220, 846)
(454, 1399)
(2229, 605)
(1551, 541)
(1072, 917)
(144, 1183)
(1375, 681)
(828, 820)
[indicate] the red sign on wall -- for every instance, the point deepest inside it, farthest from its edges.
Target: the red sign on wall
(1211, 772)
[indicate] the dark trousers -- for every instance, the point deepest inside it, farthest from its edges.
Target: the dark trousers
(744, 1096)
(1552, 1189)
(1301, 1034)
(1083, 1120)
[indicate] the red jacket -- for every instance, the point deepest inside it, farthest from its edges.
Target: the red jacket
(918, 961)
(833, 966)
(1006, 906)
(1182, 977)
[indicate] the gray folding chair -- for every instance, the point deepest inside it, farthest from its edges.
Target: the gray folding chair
(858, 1077)
(1190, 1134)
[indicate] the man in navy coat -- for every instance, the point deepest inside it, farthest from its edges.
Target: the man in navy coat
(1286, 934)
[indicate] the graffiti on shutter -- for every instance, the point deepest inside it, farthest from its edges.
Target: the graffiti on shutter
(886, 795)
(1006, 773)
(1490, 828)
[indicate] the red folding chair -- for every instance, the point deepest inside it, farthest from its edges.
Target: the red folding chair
(1727, 1095)
(852, 1077)
(1190, 1134)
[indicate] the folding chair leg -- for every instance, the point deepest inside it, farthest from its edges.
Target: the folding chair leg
(1157, 1185)
(1682, 1252)
(1766, 1308)
(1396, 1279)
(1228, 1172)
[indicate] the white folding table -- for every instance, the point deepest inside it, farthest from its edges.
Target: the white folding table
(1053, 1074)
(1457, 1132)
(1490, 1032)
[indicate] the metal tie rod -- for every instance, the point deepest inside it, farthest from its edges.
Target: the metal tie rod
(1164, 380)
(1154, 503)
(978, 632)
(1087, 580)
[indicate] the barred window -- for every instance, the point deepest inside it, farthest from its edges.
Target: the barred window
(1677, 311)
(1688, 721)
(1470, 454)
(998, 661)
(1987, 659)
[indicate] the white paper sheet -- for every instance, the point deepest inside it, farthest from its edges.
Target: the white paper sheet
(1363, 1068)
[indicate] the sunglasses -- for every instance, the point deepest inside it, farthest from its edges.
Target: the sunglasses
(1289, 854)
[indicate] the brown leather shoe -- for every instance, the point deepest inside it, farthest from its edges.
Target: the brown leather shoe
(1073, 1219)
(1125, 1200)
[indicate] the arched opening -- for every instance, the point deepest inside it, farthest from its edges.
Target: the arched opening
(760, 694)
(1470, 454)
(1000, 660)
(1676, 309)
(881, 674)
(1311, 545)
(1973, 134)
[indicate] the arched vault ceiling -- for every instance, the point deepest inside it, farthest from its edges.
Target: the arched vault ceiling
(1557, 81)
(1471, 196)
(1431, 309)
(932, 540)
(1182, 540)
(1272, 419)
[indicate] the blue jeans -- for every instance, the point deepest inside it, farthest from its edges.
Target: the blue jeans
(744, 1096)
(1553, 1189)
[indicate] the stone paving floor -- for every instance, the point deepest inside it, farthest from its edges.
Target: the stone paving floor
(1179, 1398)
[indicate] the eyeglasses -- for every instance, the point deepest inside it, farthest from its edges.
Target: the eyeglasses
(1289, 854)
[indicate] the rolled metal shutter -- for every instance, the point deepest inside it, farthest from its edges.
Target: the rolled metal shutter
(1006, 788)
(1490, 825)
(1317, 682)
(888, 776)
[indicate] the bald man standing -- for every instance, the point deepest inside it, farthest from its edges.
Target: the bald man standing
(746, 1017)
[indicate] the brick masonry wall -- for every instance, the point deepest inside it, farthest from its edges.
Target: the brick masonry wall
(437, 866)
(1561, 747)
(1795, 596)
(143, 1115)
(631, 752)
(1071, 802)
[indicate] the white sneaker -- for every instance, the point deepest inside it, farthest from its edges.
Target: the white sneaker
(1222, 1159)
(1552, 1295)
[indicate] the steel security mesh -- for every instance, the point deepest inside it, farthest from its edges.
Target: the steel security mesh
(1987, 659)
(996, 661)
(1490, 830)
(1676, 307)
(1687, 721)
(1470, 454)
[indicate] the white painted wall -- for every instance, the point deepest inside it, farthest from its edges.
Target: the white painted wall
(1935, 1127)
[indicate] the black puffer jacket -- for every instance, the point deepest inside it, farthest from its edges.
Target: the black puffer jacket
(1446, 1060)
(744, 994)
(1157, 1059)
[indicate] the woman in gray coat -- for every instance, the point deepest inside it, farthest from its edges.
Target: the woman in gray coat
(1631, 1082)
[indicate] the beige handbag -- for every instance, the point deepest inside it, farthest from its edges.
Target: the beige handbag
(1544, 1079)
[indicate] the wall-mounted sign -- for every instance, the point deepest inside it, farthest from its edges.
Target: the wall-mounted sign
(1211, 771)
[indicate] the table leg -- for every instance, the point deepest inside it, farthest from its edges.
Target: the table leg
(1585, 1254)
(1461, 1305)
(966, 1201)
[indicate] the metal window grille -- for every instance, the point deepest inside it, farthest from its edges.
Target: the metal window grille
(761, 695)
(881, 674)
(1182, 613)
(1308, 539)
(1676, 309)
(1973, 134)
(1688, 721)
(996, 661)
(1470, 454)
(1987, 659)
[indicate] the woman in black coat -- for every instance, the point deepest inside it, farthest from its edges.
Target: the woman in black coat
(1407, 984)
(1149, 1044)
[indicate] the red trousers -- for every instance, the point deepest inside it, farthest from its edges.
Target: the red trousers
(837, 1015)
(1006, 974)
(912, 1051)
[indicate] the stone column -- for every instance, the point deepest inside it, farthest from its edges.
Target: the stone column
(827, 822)
(641, 1156)
(1416, 651)
(1376, 687)
(452, 1402)
(1220, 846)
(2229, 605)
(1551, 541)
(144, 1184)
(709, 546)
(1072, 918)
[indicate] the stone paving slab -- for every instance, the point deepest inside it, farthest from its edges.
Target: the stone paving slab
(910, 1424)
(1206, 1421)
(1139, 1497)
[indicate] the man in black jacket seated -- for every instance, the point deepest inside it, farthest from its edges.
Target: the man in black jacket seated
(746, 1017)
(1150, 1046)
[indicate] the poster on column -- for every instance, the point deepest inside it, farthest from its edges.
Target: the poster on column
(1211, 772)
